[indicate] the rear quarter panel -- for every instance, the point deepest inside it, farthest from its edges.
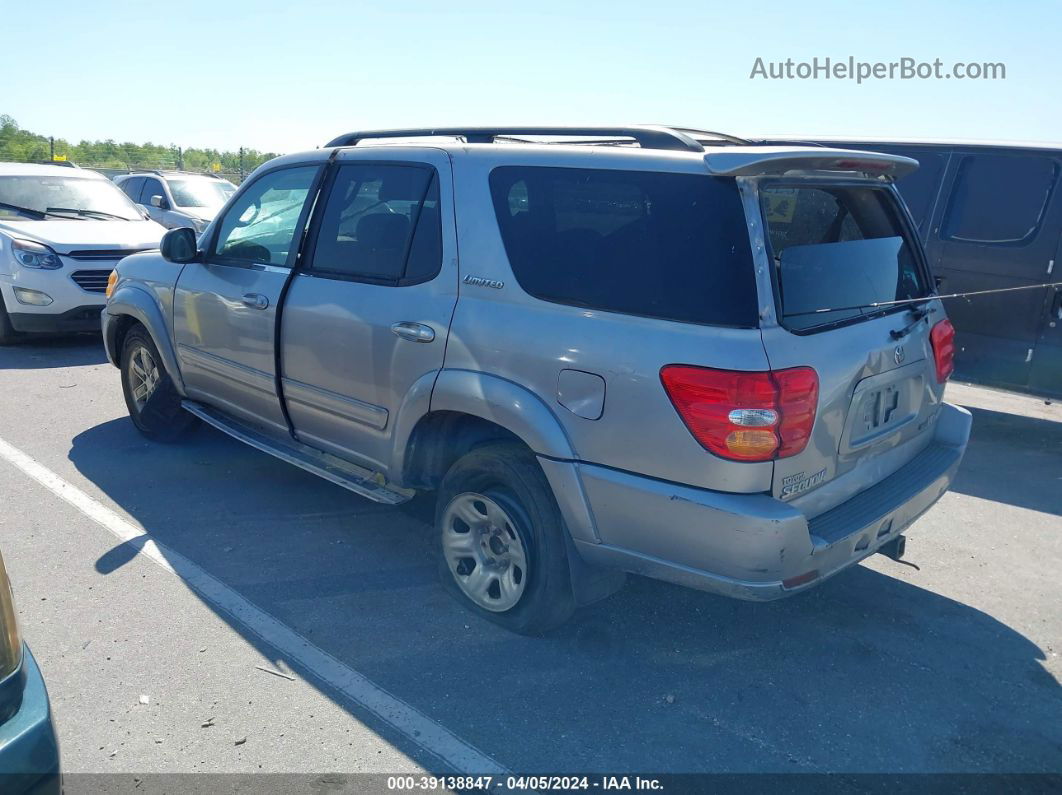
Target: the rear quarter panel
(510, 334)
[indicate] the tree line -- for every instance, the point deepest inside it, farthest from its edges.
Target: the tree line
(22, 146)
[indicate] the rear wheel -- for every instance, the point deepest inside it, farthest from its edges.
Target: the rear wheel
(8, 335)
(500, 539)
(153, 402)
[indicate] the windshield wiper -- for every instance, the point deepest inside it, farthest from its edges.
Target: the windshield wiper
(39, 214)
(918, 314)
(84, 212)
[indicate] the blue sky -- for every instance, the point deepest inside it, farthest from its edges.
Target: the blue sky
(285, 76)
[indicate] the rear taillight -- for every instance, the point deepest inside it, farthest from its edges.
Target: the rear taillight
(942, 337)
(745, 416)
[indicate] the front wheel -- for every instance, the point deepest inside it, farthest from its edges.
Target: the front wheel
(501, 543)
(153, 402)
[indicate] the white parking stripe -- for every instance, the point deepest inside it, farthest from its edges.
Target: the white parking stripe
(415, 725)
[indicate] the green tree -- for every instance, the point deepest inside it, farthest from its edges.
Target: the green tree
(22, 146)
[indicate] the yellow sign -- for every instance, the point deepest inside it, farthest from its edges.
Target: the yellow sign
(215, 167)
(59, 158)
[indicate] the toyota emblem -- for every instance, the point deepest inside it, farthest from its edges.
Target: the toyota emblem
(899, 354)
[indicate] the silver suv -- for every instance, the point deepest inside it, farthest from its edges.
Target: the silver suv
(177, 198)
(608, 350)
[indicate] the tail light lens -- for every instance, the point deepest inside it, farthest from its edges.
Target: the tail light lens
(942, 337)
(745, 416)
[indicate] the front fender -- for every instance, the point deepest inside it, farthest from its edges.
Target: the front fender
(504, 403)
(132, 301)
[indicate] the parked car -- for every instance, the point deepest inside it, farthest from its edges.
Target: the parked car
(990, 216)
(653, 355)
(177, 198)
(62, 230)
(29, 751)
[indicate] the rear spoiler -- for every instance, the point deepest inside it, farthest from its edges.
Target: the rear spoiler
(763, 160)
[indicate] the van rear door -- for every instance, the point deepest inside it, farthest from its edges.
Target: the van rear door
(833, 246)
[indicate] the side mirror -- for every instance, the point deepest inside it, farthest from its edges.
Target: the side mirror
(160, 202)
(179, 245)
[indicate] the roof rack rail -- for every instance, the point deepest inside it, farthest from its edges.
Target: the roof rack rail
(695, 133)
(648, 137)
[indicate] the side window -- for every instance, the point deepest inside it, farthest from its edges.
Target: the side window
(152, 187)
(261, 225)
(132, 187)
(999, 199)
(656, 244)
(381, 223)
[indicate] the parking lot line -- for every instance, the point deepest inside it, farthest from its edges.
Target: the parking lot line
(406, 719)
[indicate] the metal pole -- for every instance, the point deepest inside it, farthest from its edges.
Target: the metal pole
(51, 149)
(241, 164)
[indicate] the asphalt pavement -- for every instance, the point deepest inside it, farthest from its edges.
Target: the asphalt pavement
(205, 607)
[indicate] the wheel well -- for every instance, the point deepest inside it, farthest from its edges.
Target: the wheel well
(440, 438)
(122, 327)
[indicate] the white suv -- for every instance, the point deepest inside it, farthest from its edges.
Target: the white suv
(62, 231)
(177, 198)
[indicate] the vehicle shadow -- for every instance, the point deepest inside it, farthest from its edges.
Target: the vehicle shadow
(1030, 445)
(47, 352)
(865, 673)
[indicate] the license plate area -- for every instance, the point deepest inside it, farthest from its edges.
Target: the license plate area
(881, 406)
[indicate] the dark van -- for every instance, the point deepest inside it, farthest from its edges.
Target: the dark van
(991, 217)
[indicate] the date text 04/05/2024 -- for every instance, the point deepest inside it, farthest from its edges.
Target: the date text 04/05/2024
(484, 783)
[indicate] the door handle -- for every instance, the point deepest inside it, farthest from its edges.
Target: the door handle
(414, 332)
(1056, 307)
(255, 301)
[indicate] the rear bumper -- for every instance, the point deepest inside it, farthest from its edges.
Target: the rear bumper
(752, 546)
(29, 751)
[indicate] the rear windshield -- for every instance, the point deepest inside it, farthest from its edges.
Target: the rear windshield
(671, 246)
(836, 250)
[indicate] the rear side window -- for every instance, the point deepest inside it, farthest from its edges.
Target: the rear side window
(381, 223)
(672, 246)
(132, 187)
(838, 249)
(999, 199)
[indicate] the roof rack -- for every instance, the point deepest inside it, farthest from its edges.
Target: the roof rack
(647, 136)
(711, 135)
(163, 173)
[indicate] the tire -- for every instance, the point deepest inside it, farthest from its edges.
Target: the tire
(8, 335)
(514, 535)
(153, 402)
